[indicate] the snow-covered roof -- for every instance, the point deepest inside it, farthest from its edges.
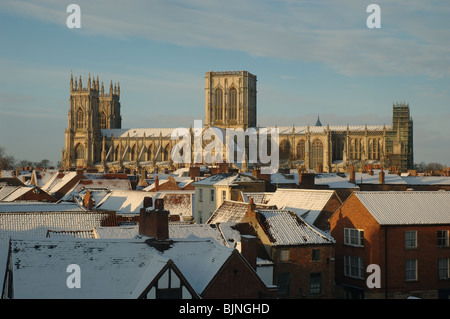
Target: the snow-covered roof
(57, 181)
(366, 178)
(333, 128)
(408, 207)
(227, 179)
(427, 180)
(306, 203)
(137, 132)
(109, 268)
(232, 211)
(286, 228)
(333, 181)
(258, 197)
(123, 202)
(26, 206)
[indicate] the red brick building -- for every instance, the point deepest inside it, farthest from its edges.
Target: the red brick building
(303, 255)
(405, 234)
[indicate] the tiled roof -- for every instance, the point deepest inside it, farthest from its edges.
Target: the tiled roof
(258, 197)
(228, 179)
(127, 202)
(232, 211)
(407, 208)
(306, 203)
(37, 224)
(30, 207)
(109, 268)
(286, 228)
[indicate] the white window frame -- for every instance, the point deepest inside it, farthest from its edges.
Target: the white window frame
(224, 195)
(354, 267)
(354, 237)
(443, 268)
(284, 255)
(410, 241)
(411, 269)
(212, 195)
(200, 194)
(442, 238)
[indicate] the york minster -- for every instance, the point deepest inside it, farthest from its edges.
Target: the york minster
(95, 138)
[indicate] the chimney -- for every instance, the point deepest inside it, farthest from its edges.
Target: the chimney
(306, 180)
(381, 176)
(248, 249)
(148, 202)
(194, 171)
(155, 223)
(353, 175)
(156, 183)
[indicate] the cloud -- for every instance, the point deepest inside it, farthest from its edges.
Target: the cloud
(413, 39)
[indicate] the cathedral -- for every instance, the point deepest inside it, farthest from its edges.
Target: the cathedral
(95, 138)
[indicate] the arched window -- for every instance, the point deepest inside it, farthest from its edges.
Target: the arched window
(285, 149)
(301, 150)
(233, 104)
(103, 120)
(79, 151)
(316, 154)
(80, 119)
(218, 104)
(116, 154)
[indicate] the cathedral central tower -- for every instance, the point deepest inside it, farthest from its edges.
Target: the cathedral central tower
(230, 99)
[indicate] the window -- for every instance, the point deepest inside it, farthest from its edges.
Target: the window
(224, 195)
(316, 154)
(200, 217)
(79, 152)
(443, 268)
(316, 254)
(283, 284)
(315, 284)
(80, 119)
(233, 104)
(102, 120)
(354, 267)
(218, 105)
(284, 255)
(212, 195)
(301, 150)
(442, 238)
(354, 237)
(411, 269)
(200, 194)
(410, 239)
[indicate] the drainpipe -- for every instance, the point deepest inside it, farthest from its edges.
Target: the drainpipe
(385, 263)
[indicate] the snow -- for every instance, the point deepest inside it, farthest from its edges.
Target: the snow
(109, 268)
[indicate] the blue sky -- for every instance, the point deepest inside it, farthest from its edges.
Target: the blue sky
(310, 57)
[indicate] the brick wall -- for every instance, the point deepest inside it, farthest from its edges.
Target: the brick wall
(385, 246)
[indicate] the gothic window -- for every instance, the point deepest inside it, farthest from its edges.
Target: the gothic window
(218, 104)
(301, 150)
(79, 151)
(80, 119)
(355, 149)
(285, 149)
(103, 120)
(373, 149)
(116, 154)
(338, 148)
(233, 104)
(316, 154)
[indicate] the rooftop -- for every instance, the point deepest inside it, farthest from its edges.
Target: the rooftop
(408, 207)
